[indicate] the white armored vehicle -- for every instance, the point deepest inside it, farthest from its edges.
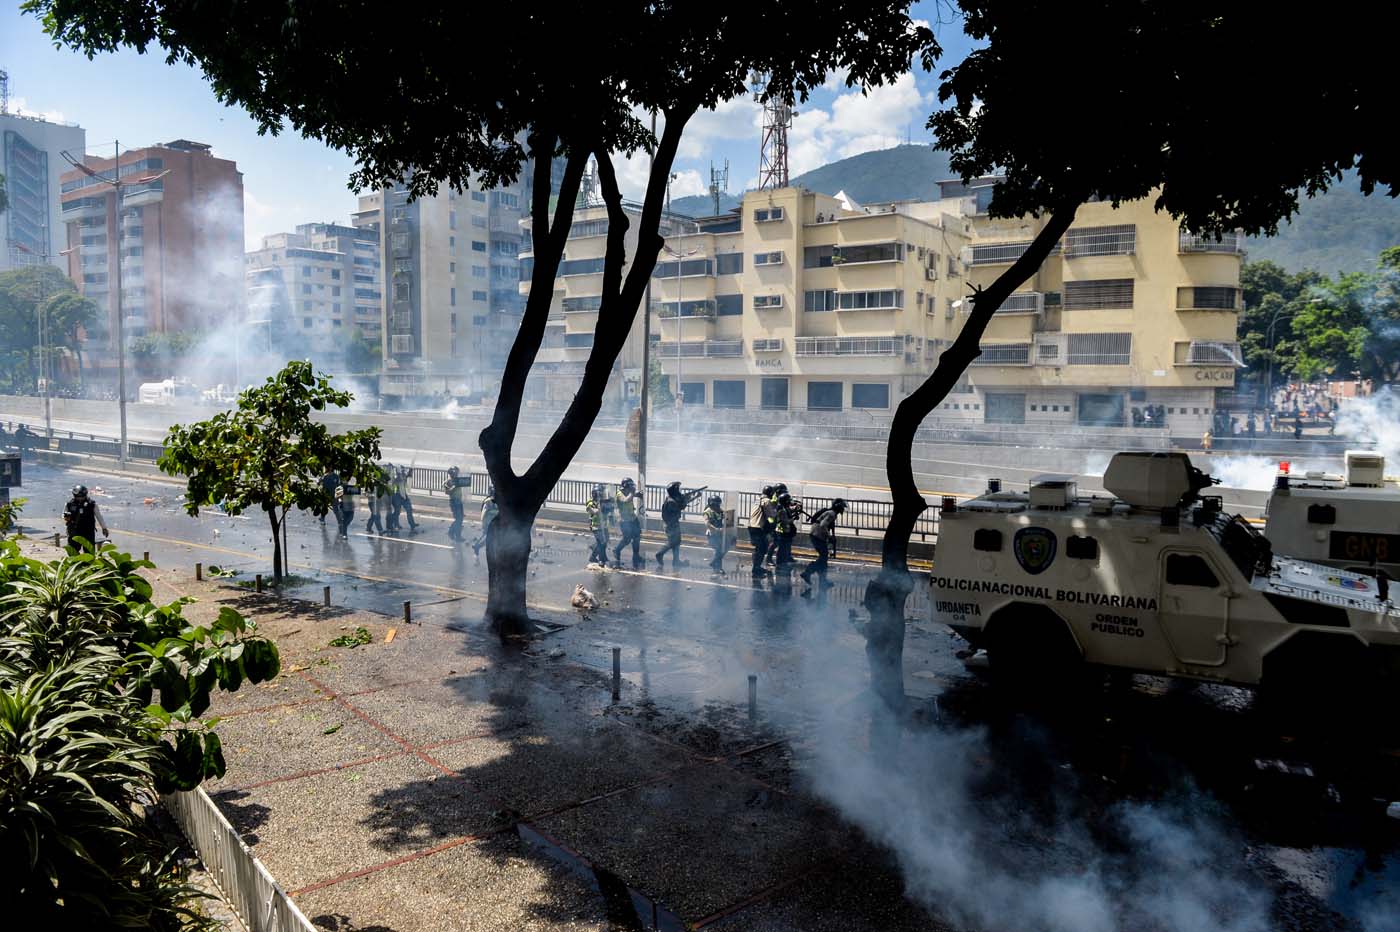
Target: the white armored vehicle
(1155, 579)
(1350, 521)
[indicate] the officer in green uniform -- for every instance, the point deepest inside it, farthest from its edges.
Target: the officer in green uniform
(456, 500)
(714, 531)
(628, 502)
(489, 510)
(597, 523)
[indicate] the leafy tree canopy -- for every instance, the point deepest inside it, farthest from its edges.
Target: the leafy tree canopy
(269, 453)
(323, 69)
(1172, 100)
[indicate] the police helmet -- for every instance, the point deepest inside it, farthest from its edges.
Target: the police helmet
(713, 501)
(627, 483)
(673, 487)
(781, 488)
(784, 497)
(490, 491)
(838, 505)
(767, 491)
(80, 491)
(598, 489)
(452, 470)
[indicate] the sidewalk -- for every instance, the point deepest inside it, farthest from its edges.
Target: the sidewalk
(436, 781)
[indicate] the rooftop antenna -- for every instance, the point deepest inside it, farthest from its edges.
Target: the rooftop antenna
(588, 185)
(773, 153)
(4, 91)
(719, 184)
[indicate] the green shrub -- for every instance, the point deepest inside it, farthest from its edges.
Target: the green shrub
(101, 693)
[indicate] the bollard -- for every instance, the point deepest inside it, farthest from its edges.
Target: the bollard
(198, 571)
(326, 595)
(56, 539)
(617, 673)
(257, 582)
(408, 613)
(146, 555)
(753, 695)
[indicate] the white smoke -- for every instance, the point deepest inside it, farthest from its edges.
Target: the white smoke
(1373, 423)
(1243, 472)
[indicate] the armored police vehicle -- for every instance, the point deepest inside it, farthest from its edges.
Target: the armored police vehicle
(1350, 521)
(1157, 579)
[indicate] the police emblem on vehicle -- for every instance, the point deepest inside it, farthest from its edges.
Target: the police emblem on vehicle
(1034, 548)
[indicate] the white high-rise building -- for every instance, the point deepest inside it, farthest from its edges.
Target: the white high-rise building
(31, 161)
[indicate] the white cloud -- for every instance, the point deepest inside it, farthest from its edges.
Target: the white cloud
(263, 219)
(21, 106)
(738, 118)
(872, 142)
(886, 109)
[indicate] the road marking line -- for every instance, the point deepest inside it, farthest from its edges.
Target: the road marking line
(405, 540)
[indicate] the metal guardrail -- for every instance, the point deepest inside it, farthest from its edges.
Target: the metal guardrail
(245, 883)
(863, 516)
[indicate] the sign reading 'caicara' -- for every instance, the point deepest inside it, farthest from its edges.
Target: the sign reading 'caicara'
(1021, 591)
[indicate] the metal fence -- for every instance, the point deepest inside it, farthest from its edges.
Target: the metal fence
(242, 879)
(862, 517)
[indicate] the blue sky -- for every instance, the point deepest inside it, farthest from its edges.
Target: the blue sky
(289, 180)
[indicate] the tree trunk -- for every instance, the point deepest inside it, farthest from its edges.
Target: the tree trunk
(276, 547)
(887, 593)
(508, 567)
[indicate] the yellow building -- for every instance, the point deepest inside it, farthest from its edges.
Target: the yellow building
(1130, 322)
(802, 301)
(573, 311)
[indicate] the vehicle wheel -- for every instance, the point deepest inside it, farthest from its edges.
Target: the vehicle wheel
(1031, 648)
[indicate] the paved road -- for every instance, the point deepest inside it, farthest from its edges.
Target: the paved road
(1296, 816)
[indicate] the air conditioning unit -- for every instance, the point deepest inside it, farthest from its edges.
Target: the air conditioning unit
(931, 275)
(1365, 468)
(401, 343)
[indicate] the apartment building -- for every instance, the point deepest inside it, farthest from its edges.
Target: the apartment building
(574, 306)
(31, 161)
(317, 285)
(802, 301)
(451, 301)
(178, 232)
(1131, 321)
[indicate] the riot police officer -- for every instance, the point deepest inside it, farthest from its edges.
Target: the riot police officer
(489, 510)
(714, 531)
(759, 528)
(598, 524)
(823, 536)
(629, 503)
(671, 511)
(82, 517)
(405, 502)
(328, 483)
(456, 501)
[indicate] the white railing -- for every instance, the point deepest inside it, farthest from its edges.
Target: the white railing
(1231, 243)
(847, 346)
(1004, 354)
(1116, 240)
(1020, 302)
(242, 879)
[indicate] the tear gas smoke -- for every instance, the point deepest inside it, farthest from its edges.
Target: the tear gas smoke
(1374, 423)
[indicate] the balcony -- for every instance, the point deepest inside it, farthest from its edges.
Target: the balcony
(1116, 240)
(1208, 353)
(774, 345)
(698, 348)
(703, 309)
(847, 346)
(1021, 302)
(1209, 298)
(1004, 354)
(1229, 243)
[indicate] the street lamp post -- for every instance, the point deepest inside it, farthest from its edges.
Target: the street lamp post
(117, 184)
(1269, 381)
(43, 315)
(680, 327)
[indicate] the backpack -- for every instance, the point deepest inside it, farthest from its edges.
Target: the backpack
(819, 530)
(75, 514)
(671, 512)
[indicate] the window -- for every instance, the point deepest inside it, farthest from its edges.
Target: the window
(452, 244)
(452, 299)
(888, 299)
(872, 252)
(479, 221)
(1004, 354)
(729, 305)
(870, 395)
(1081, 548)
(693, 393)
(817, 257)
(335, 323)
(580, 267)
(306, 289)
(306, 305)
(1187, 569)
(452, 219)
(1100, 349)
(688, 268)
(767, 301)
(507, 247)
(506, 199)
(824, 396)
(729, 263)
(818, 301)
(452, 268)
(403, 289)
(335, 274)
(767, 258)
(478, 246)
(478, 320)
(403, 265)
(478, 296)
(729, 393)
(478, 271)
(335, 308)
(773, 394)
(306, 322)
(578, 340)
(1213, 298)
(1098, 294)
(986, 539)
(479, 196)
(1118, 240)
(306, 270)
(1101, 410)
(588, 228)
(767, 214)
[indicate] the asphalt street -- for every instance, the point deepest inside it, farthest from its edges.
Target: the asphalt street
(1302, 811)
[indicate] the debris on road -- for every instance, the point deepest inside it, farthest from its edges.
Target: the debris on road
(583, 599)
